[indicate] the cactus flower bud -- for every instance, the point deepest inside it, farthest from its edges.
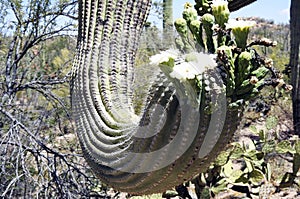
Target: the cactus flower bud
(196, 29)
(245, 56)
(189, 13)
(225, 51)
(240, 30)
(208, 21)
(181, 26)
(288, 88)
(268, 62)
(220, 11)
(244, 66)
(244, 61)
(280, 83)
(253, 80)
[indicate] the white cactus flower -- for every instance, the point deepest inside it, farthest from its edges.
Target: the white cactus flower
(163, 56)
(219, 6)
(198, 64)
(184, 71)
(219, 3)
(239, 24)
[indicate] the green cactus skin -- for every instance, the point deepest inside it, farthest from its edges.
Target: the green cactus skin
(260, 73)
(102, 96)
(202, 6)
(245, 87)
(189, 13)
(179, 44)
(243, 66)
(196, 29)
(167, 19)
(182, 28)
(225, 52)
(221, 14)
(208, 21)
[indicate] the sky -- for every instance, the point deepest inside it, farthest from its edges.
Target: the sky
(276, 10)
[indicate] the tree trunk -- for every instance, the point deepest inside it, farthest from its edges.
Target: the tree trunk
(294, 62)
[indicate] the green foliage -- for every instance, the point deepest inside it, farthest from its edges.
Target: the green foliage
(245, 164)
(271, 122)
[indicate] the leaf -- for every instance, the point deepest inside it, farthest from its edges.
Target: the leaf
(297, 146)
(249, 145)
(256, 177)
(271, 122)
(262, 135)
(284, 147)
(227, 169)
(269, 172)
(237, 152)
(202, 179)
(255, 190)
(242, 181)
(253, 129)
(252, 155)
(287, 180)
(205, 193)
(268, 147)
(219, 188)
(169, 194)
(236, 175)
(222, 158)
(249, 165)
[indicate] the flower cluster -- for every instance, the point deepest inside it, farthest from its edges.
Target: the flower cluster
(243, 72)
(194, 63)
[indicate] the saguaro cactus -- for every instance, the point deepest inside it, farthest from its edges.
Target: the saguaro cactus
(167, 14)
(193, 107)
(167, 20)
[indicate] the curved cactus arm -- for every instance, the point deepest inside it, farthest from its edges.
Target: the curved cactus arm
(172, 140)
(235, 5)
(203, 6)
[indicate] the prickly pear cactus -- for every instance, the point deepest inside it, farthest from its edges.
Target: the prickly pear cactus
(194, 103)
